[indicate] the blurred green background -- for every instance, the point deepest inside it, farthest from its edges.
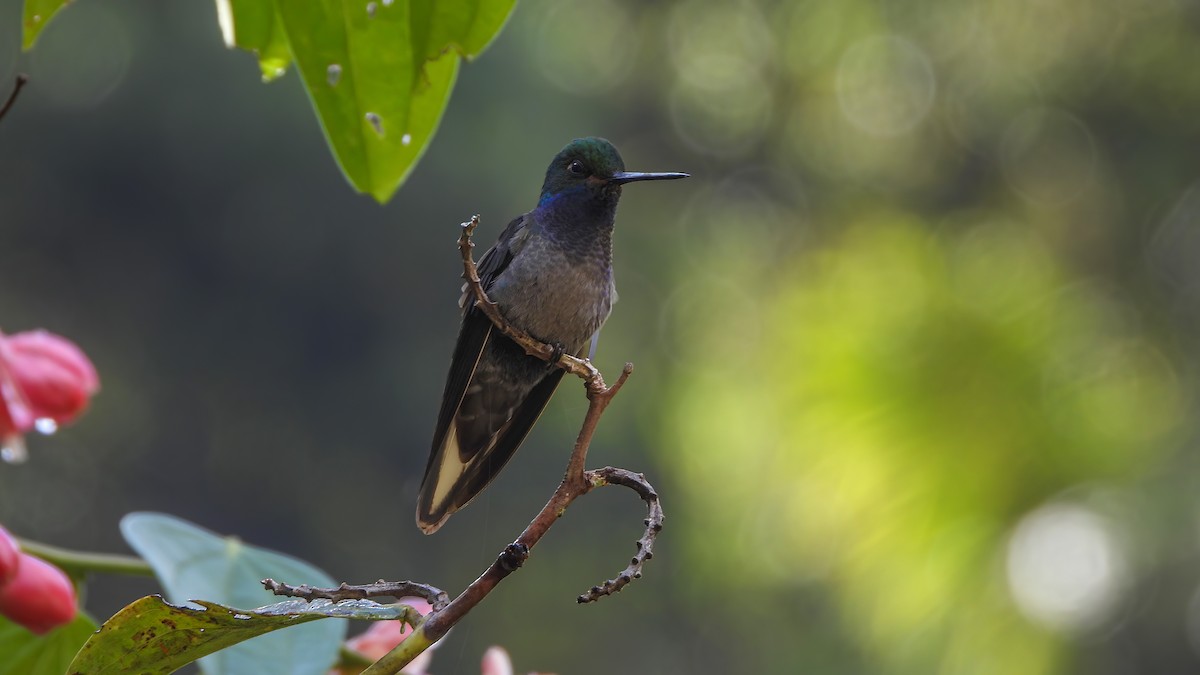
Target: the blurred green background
(915, 347)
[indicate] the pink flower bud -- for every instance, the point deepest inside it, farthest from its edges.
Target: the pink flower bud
(15, 415)
(44, 379)
(379, 639)
(496, 662)
(40, 597)
(10, 555)
(55, 376)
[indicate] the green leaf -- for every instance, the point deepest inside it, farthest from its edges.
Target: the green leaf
(23, 653)
(154, 636)
(191, 562)
(254, 25)
(37, 14)
(379, 74)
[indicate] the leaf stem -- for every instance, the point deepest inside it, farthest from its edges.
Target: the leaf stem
(79, 563)
(408, 649)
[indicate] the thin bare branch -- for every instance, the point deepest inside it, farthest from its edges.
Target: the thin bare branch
(581, 368)
(645, 545)
(22, 78)
(436, 597)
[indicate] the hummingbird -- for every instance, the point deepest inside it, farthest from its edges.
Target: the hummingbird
(551, 275)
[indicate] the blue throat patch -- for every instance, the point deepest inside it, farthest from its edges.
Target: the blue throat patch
(548, 198)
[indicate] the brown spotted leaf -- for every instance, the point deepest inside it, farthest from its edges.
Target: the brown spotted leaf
(154, 637)
(192, 562)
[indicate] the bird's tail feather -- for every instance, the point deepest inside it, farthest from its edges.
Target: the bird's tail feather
(451, 483)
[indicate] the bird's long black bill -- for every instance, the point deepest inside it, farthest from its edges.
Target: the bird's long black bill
(633, 176)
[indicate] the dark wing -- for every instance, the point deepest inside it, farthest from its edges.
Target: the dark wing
(446, 471)
(475, 331)
(480, 465)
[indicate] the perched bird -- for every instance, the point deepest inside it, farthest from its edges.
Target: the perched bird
(551, 275)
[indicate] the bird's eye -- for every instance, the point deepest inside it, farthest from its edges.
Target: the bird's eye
(577, 168)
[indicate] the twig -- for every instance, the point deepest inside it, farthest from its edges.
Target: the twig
(22, 78)
(536, 348)
(645, 546)
(436, 597)
(575, 483)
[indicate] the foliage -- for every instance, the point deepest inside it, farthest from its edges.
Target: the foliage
(192, 563)
(378, 73)
(1059, 135)
(153, 636)
(28, 654)
(891, 467)
(37, 14)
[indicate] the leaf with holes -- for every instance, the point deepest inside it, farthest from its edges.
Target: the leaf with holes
(154, 636)
(254, 25)
(379, 74)
(37, 14)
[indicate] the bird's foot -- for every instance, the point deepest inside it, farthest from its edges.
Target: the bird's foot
(557, 352)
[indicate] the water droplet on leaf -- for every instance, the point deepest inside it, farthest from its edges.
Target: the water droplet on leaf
(334, 73)
(376, 122)
(371, 6)
(406, 139)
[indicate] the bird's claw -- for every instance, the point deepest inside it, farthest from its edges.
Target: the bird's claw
(556, 352)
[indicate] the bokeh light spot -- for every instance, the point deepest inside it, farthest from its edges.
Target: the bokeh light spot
(973, 109)
(727, 116)
(1066, 567)
(885, 85)
(1048, 156)
(702, 32)
(1174, 247)
(739, 217)
(722, 101)
(816, 31)
(685, 313)
(588, 66)
(1192, 621)
(83, 56)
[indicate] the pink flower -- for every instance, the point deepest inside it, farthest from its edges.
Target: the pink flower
(383, 636)
(45, 381)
